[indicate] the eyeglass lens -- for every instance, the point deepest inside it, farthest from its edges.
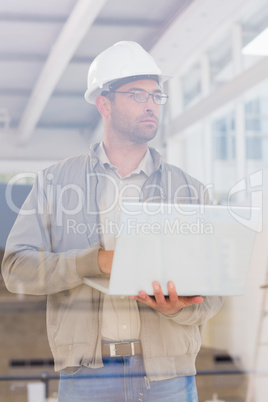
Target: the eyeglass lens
(143, 96)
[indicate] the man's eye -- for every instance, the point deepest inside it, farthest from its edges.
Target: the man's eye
(140, 95)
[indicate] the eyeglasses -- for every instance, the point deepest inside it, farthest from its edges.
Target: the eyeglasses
(142, 96)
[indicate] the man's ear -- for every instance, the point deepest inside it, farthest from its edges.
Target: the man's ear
(103, 105)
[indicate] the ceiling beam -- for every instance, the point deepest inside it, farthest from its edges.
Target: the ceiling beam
(32, 18)
(139, 22)
(23, 57)
(39, 58)
(23, 92)
(90, 125)
(51, 19)
(74, 30)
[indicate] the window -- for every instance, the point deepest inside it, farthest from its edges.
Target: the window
(224, 138)
(256, 115)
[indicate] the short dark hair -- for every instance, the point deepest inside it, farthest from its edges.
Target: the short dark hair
(109, 95)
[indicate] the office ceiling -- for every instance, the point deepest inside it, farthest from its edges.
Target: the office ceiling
(46, 48)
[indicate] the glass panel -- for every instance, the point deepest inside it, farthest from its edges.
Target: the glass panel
(191, 86)
(256, 122)
(220, 55)
(224, 137)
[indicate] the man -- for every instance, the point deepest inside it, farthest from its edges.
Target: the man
(109, 348)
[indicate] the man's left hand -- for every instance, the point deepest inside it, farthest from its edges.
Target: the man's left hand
(170, 304)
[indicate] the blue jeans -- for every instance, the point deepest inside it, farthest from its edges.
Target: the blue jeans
(123, 380)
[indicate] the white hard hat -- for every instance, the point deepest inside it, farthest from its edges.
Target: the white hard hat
(122, 60)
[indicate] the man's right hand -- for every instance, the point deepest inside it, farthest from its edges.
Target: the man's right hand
(105, 260)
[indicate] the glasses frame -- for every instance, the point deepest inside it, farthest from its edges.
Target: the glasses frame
(164, 97)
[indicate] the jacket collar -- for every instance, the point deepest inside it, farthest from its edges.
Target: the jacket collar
(94, 160)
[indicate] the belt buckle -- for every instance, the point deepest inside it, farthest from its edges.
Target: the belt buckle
(112, 349)
(114, 353)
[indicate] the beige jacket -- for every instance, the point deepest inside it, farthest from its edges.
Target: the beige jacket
(45, 256)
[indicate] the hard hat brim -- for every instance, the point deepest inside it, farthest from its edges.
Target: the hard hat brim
(91, 96)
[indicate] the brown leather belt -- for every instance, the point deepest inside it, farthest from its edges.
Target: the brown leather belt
(121, 349)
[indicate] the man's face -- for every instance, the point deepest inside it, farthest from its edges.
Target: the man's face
(134, 121)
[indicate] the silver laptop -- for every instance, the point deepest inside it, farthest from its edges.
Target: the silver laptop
(205, 250)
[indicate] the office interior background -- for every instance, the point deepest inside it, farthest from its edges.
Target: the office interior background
(214, 126)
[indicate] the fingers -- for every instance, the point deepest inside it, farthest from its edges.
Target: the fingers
(196, 299)
(167, 304)
(159, 302)
(160, 297)
(145, 298)
(173, 296)
(158, 294)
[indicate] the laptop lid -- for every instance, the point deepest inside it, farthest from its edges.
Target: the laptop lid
(205, 250)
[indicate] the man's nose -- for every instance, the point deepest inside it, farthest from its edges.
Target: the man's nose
(149, 105)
